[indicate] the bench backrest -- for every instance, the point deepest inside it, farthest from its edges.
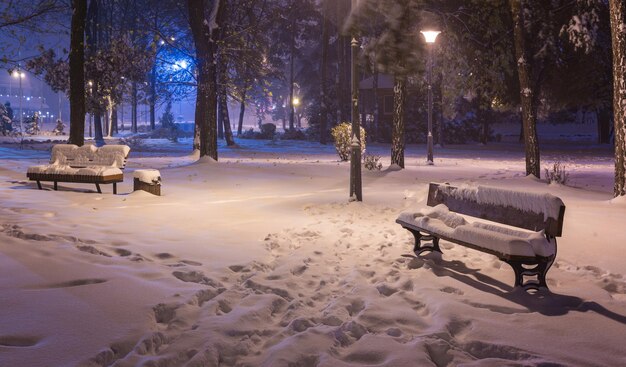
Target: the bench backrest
(515, 208)
(88, 155)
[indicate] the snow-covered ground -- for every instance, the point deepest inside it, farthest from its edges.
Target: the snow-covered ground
(260, 260)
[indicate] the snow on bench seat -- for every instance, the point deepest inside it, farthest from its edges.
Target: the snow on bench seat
(440, 221)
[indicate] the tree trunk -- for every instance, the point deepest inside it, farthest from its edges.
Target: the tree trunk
(438, 106)
(527, 90)
(618, 38)
(133, 113)
(114, 120)
(324, 76)
(375, 133)
(397, 133)
(77, 73)
(292, 50)
(153, 98)
(220, 119)
(228, 132)
(242, 111)
(206, 102)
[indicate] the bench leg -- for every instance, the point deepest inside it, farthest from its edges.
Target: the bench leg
(98, 188)
(114, 188)
(527, 269)
(56, 187)
(419, 237)
(39, 185)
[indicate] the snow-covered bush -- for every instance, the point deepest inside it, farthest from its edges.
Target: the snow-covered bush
(294, 134)
(372, 162)
(268, 131)
(5, 120)
(557, 173)
(32, 125)
(134, 142)
(342, 135)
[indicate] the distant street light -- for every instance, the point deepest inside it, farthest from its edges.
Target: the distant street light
(430, 37)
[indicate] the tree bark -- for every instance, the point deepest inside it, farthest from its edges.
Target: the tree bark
(114, 127)
(77, 73)
(323, 76)
(94, 37)
(397, 133)
(153, 82)
(133, 107)
(528, 92)
(618, 39)
(206, 102)
(153, 98)
(220, 119)
(375, 134)
(228, 132)
(292, 51)
(242, 111)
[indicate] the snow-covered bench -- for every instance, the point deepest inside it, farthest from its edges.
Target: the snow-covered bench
(86, 164)
(527, 243)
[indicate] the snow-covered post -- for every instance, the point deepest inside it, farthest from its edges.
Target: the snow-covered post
(618, 37)
(356, 185)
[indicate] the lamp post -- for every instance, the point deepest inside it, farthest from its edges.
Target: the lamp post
(19, 74)
(90, 93)
(296, 102)
(356, 183)
(430, 37)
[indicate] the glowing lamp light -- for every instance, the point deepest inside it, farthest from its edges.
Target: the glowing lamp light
(180, 64)
(430, 36)
(296, 101)
(18, 74)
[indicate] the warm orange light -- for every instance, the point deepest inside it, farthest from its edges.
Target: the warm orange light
(430, 36)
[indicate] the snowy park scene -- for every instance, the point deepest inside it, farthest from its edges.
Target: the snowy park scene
(312, 183)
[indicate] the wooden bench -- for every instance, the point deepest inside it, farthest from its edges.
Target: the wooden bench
(527, 243)
(86, 164)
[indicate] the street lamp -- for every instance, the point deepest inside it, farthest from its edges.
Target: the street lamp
(296, 102)
(17, 73)
(356, 183)
(430, 37)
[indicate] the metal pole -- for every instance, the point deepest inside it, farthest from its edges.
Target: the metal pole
(429, 139)
(19, 75)
(356, 185)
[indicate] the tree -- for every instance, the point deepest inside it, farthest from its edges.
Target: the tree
(77, 74)
(529, 93)
(18, 18)
(324, 104)
(205, 35)
(396, 53)
(618, 32)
